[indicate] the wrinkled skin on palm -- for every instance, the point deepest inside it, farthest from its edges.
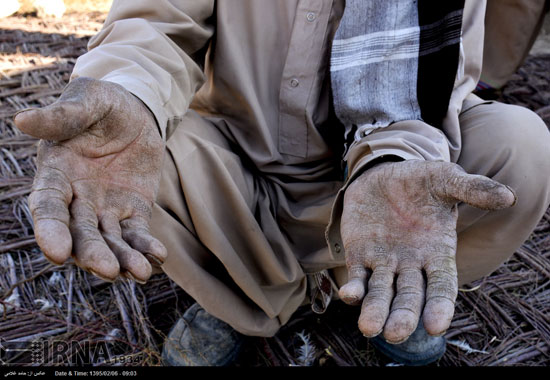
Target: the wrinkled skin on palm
(98, 169)
(399, 233)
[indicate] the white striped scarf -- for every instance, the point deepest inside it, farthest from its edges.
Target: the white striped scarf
(394, 60)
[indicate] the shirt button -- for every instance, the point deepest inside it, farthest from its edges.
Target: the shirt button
(294, 82)
(311, 16)
(337, 248)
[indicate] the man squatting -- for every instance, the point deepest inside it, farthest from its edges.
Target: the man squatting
(268, 154)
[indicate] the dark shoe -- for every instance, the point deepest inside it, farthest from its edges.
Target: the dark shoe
(420, 349)
(199, 339)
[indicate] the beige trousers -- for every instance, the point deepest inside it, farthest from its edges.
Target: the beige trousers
(511, 28)
(241, 243)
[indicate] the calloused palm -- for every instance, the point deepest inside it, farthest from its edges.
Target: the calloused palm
(399, 228)
(98, 169)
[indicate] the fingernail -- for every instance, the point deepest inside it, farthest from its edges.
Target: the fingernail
(24, 110)
(369, 336)
(51, 261)
(397, 341)
(514, 193)
(129, 276)
(101, 277)
(153, 259)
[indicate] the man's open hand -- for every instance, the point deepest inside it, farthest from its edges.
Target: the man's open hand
(98, 170)
(399, 232)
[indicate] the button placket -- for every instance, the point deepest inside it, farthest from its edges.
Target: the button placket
(299, 73)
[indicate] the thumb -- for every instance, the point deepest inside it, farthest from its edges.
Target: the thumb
(78, 108)
(478, 191)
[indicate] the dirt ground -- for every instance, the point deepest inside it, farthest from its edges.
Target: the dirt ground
(501, 320)
(542, 44)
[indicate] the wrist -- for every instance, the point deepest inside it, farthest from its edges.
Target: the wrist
(376, 162)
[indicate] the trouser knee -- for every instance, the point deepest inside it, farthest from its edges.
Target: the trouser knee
(511, 145)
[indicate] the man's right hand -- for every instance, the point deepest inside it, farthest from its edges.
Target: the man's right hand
(98, 170)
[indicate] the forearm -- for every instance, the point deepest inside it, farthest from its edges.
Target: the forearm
(152, 49)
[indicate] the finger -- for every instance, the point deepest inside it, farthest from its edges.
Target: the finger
(91, 252)
(135, 231)
(441, 293)
(376, 304)
(478, 191)
(78, 107)
(406, 307)
(353, 291)
(132, 263)
(48, 203)
(57, 122)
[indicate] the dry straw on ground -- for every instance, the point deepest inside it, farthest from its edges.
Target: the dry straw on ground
(503, 319)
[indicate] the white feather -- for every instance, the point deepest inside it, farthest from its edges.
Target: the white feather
(466, 347)
(307, 351)
(45, 303)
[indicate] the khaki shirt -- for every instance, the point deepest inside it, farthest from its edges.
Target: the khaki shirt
(260, 69)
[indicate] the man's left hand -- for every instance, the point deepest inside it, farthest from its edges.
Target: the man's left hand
(399, 233)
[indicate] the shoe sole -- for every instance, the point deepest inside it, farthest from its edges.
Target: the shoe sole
(408, 359)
